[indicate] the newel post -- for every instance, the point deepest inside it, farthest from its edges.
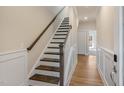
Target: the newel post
(61, 64)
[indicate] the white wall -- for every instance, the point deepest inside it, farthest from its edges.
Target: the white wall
(19, 27)
(105, 27)
(87, 26)
(70, 55)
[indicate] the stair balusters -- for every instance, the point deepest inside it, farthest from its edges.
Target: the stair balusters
(61, 64)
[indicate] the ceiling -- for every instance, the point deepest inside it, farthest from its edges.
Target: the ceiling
(87, 13)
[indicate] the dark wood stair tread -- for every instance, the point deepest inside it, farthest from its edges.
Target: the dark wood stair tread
(52, 53)
(50, 60)
(59, 38)
(48, 68)
(54, 47)
(64, 25)
(62, 31)
(45, 78)
(60, 34)
(65, 21)
(56, 42)
(63, 28)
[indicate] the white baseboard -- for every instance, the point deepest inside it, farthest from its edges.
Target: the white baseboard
(71, 74)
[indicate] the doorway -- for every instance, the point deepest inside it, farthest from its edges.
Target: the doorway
(87, 42)
(92, 43)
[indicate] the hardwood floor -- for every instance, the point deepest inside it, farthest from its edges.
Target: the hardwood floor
(86, 73)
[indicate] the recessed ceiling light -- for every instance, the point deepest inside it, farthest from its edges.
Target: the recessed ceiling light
(85, 18)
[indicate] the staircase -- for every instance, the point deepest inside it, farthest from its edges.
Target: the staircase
(50, 71)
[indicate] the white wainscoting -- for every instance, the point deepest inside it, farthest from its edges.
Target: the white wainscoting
(13, 68)
(71, 65)
(70, 58)
(105, 65)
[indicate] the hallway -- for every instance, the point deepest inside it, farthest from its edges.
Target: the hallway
(86, 73)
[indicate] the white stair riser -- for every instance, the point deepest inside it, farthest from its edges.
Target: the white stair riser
(50, 64)
(40, 83)
(58, 40)
(51, 56)
(61, 32)
(45, 72)
(53, 45)
(52, 50)
(59, 36)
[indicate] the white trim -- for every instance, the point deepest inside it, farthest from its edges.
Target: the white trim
(13, 60)
(12, 55)
(72, 51)
(42, 53)
(12, 52)
(74, 67)
(105, 64)
(66, 76)
(106, 50)
(102, 77)
(71, 74)
(121, 44)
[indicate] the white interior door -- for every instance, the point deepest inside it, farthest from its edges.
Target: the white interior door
(82, 42)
